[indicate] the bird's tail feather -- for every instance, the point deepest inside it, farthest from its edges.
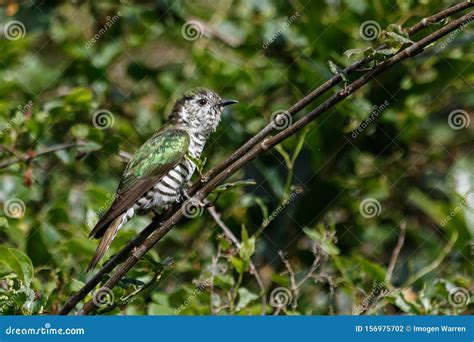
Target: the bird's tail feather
(107, 239)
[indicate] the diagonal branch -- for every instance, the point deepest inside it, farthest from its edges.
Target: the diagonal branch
(253, 148)
(28, 156)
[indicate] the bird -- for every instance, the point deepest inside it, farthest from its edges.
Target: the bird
(157, 174)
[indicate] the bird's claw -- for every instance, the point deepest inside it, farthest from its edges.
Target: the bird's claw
(183, 195)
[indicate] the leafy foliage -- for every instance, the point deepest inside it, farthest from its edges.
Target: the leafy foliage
(104, 75)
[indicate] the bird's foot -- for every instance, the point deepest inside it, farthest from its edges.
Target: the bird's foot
(183, 195)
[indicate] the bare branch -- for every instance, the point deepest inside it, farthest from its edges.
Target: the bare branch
(396, 252)
(28, 156)
(249, 151)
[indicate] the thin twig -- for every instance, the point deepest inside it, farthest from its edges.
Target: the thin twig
(26, 157)
(293, 287)
(215, 259)
(313, 268)
(396, 252)
(245, 154)
(253, 269)
(435, 264)
(296, 285)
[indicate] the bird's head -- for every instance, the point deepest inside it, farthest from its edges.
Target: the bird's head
(199, 109)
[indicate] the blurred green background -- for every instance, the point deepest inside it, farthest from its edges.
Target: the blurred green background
(334, 205)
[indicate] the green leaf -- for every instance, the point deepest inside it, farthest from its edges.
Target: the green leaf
(239, 264)
(3, 223)
(19, 262)
(365, 51)
(227, 186)
(198, 162)
(337, 71)
(247, 247)
(324, 243)
(245, 297)
(224, 282)
(158, 309)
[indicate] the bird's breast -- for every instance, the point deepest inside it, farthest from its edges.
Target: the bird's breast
(168, 188)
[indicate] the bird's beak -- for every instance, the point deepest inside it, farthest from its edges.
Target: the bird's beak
(224, 103)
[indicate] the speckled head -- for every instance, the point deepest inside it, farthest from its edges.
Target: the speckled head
(199, 110)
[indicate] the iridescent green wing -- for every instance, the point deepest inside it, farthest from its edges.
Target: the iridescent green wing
(150, 163)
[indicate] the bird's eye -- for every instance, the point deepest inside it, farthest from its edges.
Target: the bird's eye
(202, 102)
